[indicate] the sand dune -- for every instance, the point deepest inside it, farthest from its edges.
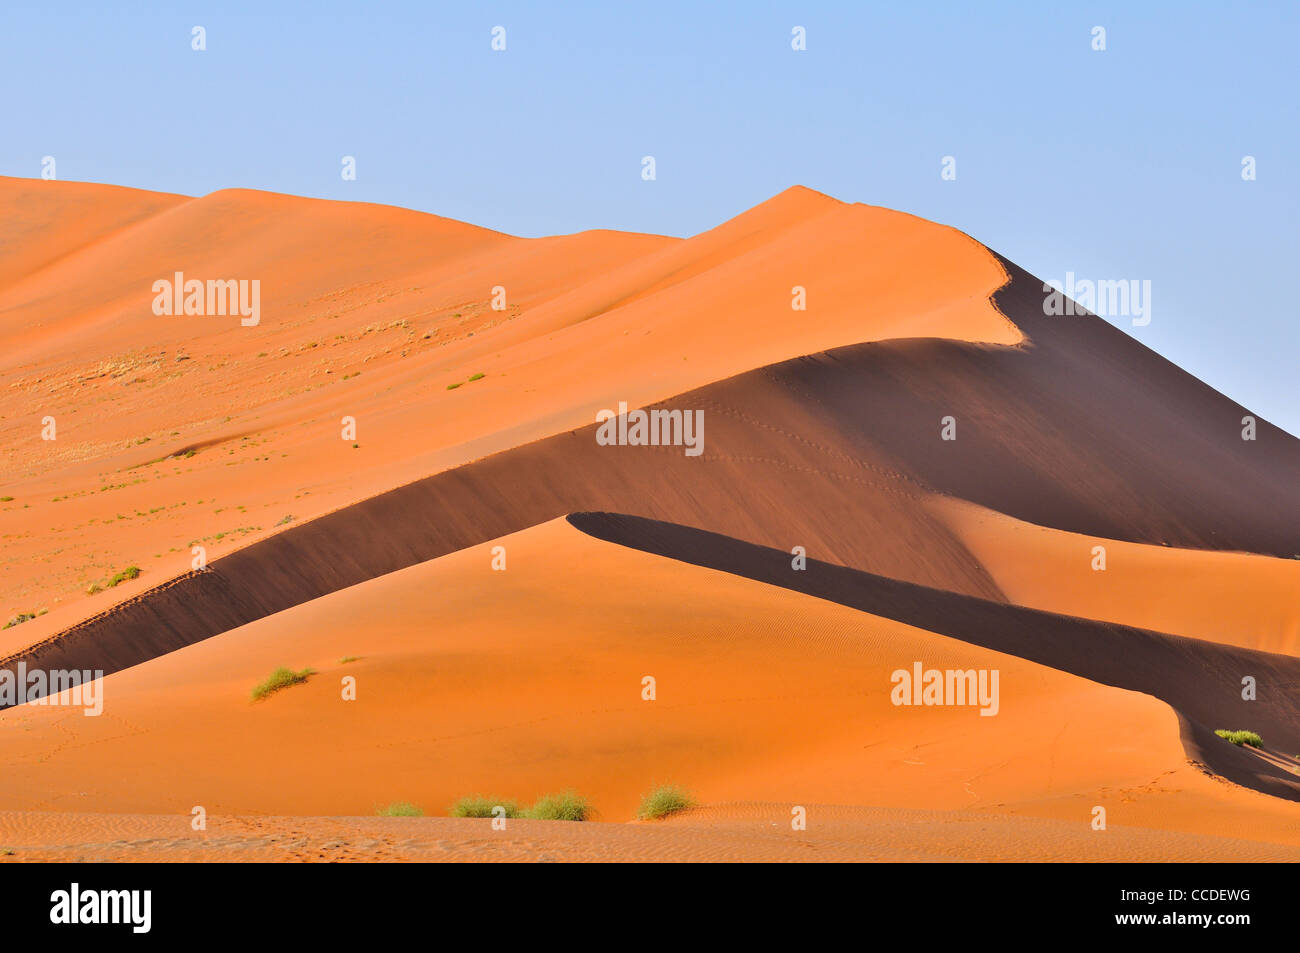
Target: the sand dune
(372, 312)
(838, 452)
(822, 434)
(518, 682)
(1201, 680)
(46, 222)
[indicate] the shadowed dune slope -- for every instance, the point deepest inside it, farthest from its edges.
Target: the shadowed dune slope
(1085, 429)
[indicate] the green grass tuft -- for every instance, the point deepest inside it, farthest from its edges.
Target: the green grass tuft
(568, 806)
(478, 377)
(476, 805)
(130, 572)
(281, 678)
(455, 385)
(400, 809)
(662, 801)
(19, 619)
(1241, 737)
(349, 658)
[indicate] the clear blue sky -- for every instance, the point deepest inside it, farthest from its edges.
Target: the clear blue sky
(1117, 164)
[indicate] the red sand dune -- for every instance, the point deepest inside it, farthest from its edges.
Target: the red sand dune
(403, 300)
(521, 682)
(822, 430)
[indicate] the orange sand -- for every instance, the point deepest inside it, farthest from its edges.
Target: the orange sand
(527, 681)
(744, 832)
(183, 431)
(402, 299)
(1235, 598)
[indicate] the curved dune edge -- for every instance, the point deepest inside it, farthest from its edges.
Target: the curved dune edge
(1235, 598)
(404, 300)
(529, 680)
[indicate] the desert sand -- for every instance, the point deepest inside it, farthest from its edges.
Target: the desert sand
(772, 684)
(399, 303)
(519, 683)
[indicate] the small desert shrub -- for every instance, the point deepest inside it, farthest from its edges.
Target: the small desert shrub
(1241, 737)
(478, 806)
(455, 385)
(286, 520)
(663, 801)
(19, 619)
(478, 377)
(349, 658)
(568, 806)
(400, 809)
(6, 499)
(130, 572)
(281, 678)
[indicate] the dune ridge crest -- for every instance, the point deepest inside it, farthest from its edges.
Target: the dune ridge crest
(446, 342)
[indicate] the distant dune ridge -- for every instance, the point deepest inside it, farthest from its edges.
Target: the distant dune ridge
(419, 390)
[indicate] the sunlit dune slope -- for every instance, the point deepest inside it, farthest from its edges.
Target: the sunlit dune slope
(1234, 598)
(1203, 681)
(46, 222)
(519, 682)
